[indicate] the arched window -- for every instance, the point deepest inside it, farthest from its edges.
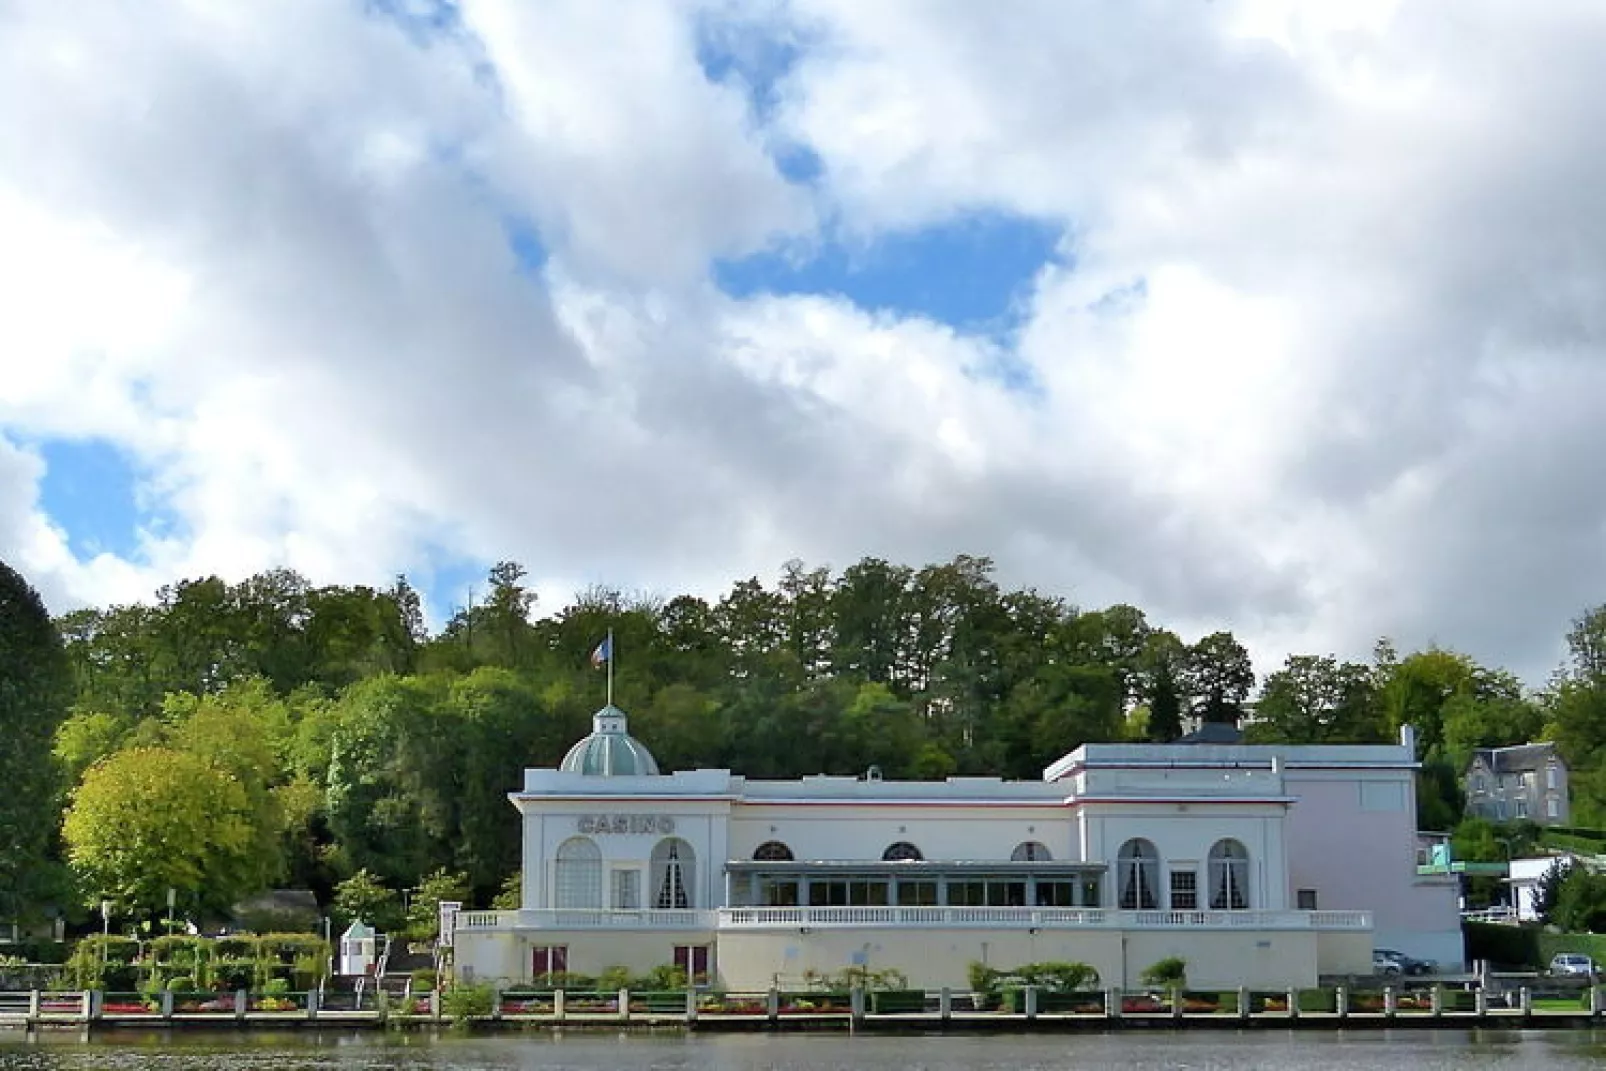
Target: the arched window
(1137, 872)
(1229, 876)
(1030, 851)
(674, 866)
(772, 851)
(901, 852)
(578, 873)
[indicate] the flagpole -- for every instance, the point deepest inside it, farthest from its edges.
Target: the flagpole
(610, 667)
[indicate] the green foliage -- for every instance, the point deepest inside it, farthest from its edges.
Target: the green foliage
(423, 913)
(1580, 901)
(1319, 700)
(1058, 977)
(181, 983)
(613, 979)
(149, 819)
(460, 1003)
(665, 977)
(510, 895)
(1514, 947)
(362, 744)
(1168, 973)
(35, 689)
(424, 979)
(982, 978)
(363, 897)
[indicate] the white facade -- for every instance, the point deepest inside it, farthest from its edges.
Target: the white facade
(1261, 866)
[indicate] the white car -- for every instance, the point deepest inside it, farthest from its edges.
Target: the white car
(1384, 964)
(1572, 963)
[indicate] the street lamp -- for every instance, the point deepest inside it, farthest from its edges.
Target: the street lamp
(105, 936)
(172, 895)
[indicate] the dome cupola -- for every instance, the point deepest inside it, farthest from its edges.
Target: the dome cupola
(610, 750)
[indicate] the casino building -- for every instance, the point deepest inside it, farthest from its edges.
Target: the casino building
(1265, 866)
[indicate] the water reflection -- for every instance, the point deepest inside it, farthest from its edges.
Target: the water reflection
(1447, 1050)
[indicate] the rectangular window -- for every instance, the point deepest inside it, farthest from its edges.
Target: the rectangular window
(778, 892)
(1056, 893)
(917, 893)
(1184, 890)
(693, 960)
(626, 884)
(1006, 894)
(1305, 899)
(871, 892)
(549, 960)
(966, 893)
(828, 894)
(1552, 808)
(1550, 777)
(1522, 807)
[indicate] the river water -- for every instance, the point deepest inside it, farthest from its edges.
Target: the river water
(1369, 1050)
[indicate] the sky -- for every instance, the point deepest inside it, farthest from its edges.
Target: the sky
(1278, 317)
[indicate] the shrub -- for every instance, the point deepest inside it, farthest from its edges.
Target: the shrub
(463, 1002)
(423, 979)
(276, 987)
(983, 979)
(1167, 973)
(181, 983)
(661, 978)
(1509, 946)
(613, 979)
(1059, 977)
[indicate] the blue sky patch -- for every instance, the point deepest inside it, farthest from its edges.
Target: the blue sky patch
(90, 491)
(525, 241)
(970, 273)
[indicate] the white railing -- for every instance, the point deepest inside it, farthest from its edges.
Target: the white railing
(583, 919)
(1038, 917)
(741, 918)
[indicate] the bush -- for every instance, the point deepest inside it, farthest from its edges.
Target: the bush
(1166, 973)
(276, 987)
(613, 979)
(181, 983)
(664, 978)
(463, 1002)
(1057, 977)
(983, 979)
(423, 979)
(1508, 946)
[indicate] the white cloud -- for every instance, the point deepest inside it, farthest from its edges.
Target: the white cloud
(1321, 362)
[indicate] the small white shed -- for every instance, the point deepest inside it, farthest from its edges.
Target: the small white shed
(358, 949)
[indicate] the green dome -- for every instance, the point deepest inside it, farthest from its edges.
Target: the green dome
(610, 750)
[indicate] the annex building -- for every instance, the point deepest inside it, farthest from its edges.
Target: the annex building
(1259, 865)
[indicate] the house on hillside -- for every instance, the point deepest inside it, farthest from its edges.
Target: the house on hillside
(1527, 782)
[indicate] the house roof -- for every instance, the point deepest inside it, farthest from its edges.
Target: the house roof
(1214, 732)
(1517, 758)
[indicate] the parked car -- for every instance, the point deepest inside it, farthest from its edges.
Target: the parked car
(1408, 964)
(1572, 963)
(1381, 964)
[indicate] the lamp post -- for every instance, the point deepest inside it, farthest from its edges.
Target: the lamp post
(172, 895)
(105, 936)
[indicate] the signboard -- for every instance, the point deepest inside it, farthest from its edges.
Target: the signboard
(626, 824)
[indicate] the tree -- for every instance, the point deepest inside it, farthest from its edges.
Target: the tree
(149, 819)
(1165, 706)
(35, 687)
(364, 898)
(1317, 699)
(1220, 677)
(423, 911)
